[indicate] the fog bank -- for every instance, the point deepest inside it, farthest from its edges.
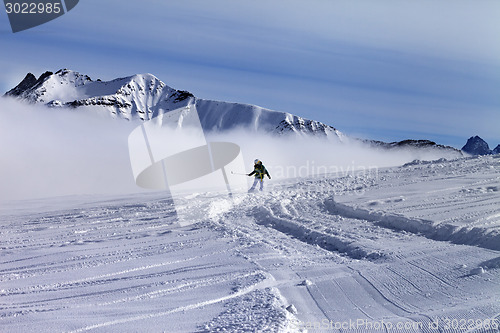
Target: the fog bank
(48, 152)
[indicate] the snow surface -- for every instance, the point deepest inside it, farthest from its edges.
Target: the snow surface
(406, 249)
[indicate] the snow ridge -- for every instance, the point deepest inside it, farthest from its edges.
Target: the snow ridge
(442, 232)
(416, 144)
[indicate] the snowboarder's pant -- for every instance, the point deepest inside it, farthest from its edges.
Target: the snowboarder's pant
(256, 180)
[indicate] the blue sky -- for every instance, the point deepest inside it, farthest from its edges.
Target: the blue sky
(386, 70)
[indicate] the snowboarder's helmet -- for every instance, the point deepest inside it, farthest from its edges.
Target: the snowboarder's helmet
(257, 161)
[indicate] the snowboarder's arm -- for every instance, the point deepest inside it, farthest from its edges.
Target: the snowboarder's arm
(267, 173)
(251, 173)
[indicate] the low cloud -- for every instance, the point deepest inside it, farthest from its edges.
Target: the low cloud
(58, 152)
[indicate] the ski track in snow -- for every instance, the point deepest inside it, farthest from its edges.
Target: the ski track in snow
(402, 250)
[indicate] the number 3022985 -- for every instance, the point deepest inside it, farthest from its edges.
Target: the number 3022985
(33, 8)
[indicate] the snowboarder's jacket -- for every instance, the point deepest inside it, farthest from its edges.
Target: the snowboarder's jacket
(259, 170)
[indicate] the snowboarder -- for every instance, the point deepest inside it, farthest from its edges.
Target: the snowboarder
(259, 170)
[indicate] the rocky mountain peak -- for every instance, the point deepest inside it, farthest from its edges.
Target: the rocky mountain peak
(476, 146)
(28, 83)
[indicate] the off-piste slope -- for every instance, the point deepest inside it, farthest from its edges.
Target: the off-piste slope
(408, 249)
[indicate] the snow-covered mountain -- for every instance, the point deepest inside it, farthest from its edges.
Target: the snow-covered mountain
(477, 146)
(144, 96)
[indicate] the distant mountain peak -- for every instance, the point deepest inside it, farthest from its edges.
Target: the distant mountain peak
(415, 144)
(476, 146)
(29, 82)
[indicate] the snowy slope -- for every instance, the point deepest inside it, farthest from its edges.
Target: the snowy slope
(144, 96)
(407, 249)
